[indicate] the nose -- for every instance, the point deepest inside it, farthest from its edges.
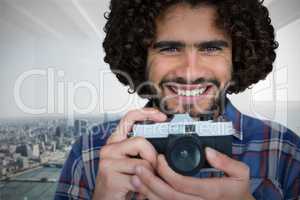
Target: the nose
(191, 58)
(193, 66)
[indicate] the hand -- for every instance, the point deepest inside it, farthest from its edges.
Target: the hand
(174, 186)
(116, 165)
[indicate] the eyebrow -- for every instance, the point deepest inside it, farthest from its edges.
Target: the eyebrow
(163, 44)
(202, 45)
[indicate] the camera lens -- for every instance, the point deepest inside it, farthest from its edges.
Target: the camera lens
(185, 155)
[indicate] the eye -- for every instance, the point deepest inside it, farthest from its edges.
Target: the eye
(211, 50)
(169, 49)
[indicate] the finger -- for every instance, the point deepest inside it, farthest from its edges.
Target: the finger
(142, 189)
(231, 167)
(177, 181)
(123, 166)
(131, 147)
(115, 182)
(206, 188)
(153, 185)
(126, 123)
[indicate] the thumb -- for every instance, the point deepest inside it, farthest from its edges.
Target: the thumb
(226, 164)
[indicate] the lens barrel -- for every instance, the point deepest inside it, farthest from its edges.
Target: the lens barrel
(185, 154)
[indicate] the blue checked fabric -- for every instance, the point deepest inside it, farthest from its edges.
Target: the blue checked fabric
(270, 150)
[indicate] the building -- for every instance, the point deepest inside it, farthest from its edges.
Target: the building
(25, 150)
(80, 127)
(35, 151)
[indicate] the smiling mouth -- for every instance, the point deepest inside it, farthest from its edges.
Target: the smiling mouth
(183, 90)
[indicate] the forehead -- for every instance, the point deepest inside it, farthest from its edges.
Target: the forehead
(185, 23)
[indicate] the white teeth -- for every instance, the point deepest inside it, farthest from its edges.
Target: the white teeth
(202, 90)
(196, 92)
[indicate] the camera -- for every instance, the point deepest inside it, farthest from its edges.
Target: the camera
(183, 139)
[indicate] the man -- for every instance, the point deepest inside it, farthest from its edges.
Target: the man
(184, 56)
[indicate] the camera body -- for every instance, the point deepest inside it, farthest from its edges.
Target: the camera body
(182, 140)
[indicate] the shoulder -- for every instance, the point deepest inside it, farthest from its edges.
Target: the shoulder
(96, 138)
(273, 153)
(264, 130)
(270, 136)
(257, 130)
(78, 176)
(86, 148)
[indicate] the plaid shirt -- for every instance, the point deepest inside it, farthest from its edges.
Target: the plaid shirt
(270, 150)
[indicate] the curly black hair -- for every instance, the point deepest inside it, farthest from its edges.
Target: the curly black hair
(130, 30)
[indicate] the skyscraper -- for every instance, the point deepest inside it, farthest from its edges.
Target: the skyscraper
(80, 127)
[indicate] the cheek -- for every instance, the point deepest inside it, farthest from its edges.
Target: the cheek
(222, 67)
(158, 68)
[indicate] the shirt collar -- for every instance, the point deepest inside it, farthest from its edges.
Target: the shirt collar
(236, 117)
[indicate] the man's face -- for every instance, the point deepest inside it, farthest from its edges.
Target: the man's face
(190, 60)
